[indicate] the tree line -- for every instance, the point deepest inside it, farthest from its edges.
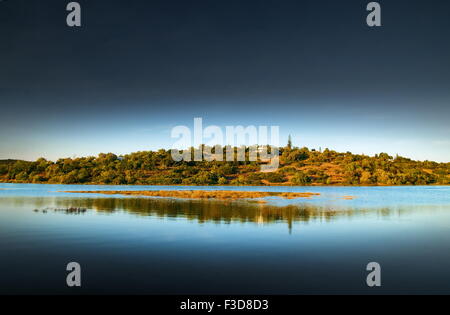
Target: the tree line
(298, 166)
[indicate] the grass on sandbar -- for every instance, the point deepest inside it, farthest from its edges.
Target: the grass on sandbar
(205, 194)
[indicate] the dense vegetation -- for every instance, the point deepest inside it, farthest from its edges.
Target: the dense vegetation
(298, 166)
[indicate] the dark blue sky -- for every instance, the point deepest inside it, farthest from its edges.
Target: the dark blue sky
(137, 68)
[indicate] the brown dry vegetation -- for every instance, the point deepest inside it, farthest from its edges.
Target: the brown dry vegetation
(205, 194)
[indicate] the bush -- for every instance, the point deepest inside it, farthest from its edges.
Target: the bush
(301, 179)
(222, 181)
(274, 177)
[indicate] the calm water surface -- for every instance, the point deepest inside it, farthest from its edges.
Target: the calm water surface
(169, 246)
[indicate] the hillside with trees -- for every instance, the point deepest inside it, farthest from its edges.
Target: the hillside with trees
(298, 166)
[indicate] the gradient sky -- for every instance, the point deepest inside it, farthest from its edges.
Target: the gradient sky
(135, 69)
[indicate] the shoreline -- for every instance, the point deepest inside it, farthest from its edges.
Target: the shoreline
(227, 185)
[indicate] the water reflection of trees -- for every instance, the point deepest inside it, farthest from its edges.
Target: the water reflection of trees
(214, 210)
(210, 211)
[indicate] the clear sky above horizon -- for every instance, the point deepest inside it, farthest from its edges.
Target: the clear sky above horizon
(135, 69)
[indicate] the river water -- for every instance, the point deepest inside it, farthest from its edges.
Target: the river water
(149, 245)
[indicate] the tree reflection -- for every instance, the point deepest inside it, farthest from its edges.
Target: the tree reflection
(209, 210)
